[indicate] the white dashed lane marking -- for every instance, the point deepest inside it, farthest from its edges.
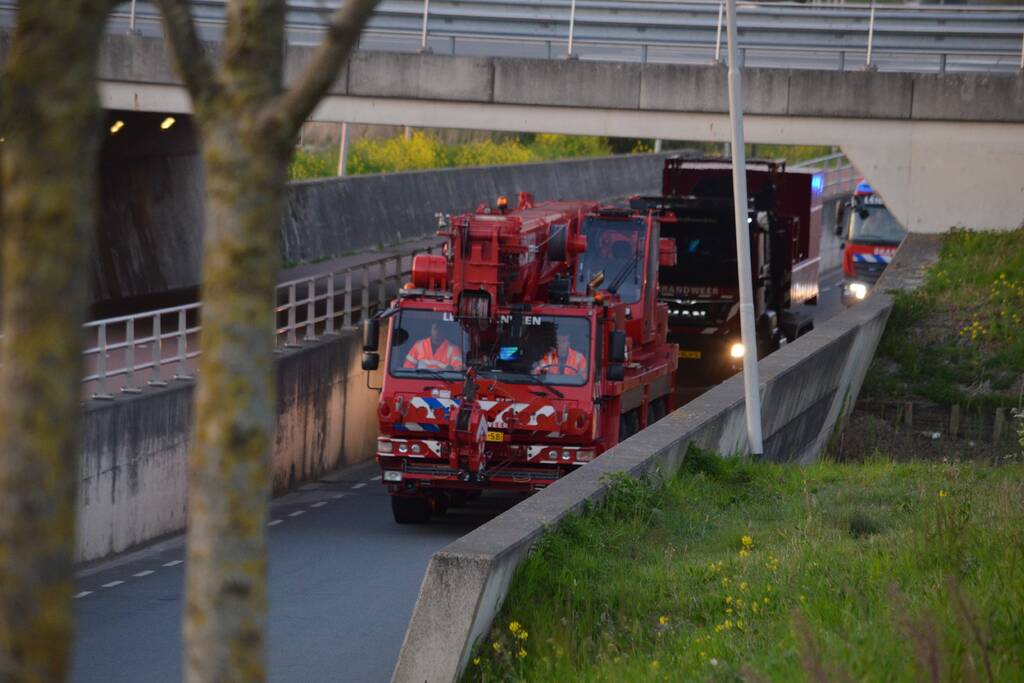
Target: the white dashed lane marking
(173, 563)
(337, 496)
(274, 522)
(358, 486)
(143, 573)
(318, 504)
(296, 513)
(82, 594)
(377, 478)
(112, 584)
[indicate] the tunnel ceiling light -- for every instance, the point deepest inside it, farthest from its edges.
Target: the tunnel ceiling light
(167, 123)
(116, 128)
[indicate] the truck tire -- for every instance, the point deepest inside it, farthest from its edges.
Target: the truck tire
(410, 509)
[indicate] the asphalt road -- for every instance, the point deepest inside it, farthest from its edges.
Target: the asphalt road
(343, 581)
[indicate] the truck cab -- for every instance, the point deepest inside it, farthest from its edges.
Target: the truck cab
(534, 344)
(871, 235)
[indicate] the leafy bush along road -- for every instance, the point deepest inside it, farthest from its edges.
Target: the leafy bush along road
(740, 571)
(423, 151)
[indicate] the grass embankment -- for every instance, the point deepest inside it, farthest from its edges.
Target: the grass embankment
(740, 571)
(958, 339)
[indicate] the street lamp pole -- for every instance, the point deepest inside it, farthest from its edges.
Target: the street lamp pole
(751, 380)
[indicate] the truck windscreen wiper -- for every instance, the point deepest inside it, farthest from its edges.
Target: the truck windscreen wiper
(532, 379)
(621, 276)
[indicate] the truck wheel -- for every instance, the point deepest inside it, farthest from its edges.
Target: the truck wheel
(655, 410)
(410, 509)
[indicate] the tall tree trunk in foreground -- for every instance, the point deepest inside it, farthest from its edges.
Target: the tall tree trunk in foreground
(247, 127)
(50, 121)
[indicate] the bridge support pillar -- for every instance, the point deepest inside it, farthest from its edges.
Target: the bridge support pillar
(934, 175)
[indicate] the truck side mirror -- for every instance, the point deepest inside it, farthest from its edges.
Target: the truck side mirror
(371, 360)
(371, 337)
(616, 372)
(617, 347)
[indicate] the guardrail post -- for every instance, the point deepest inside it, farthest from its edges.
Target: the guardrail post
(290, 339)
(871, 35)
(572, 27)
(158, 355)
(942, 63)
(101, 364)
(842, 60)
(718, 34)
(348, 300)
(131, 20)
(423, 34)
(329, 322)
(182, 356)
(129, 359)
(643, 53)
(311, 311)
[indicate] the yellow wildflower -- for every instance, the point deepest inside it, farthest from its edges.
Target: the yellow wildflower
(497, 646)
(744, 552)
(743, 585)
(728, 624)
(663, 620)
(654, 664)
(523, 634)
(747, 542)
(514, 627)
(728, 600)
(942, 494)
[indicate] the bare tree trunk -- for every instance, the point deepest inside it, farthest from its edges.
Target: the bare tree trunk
(247, 128)
(50, 119)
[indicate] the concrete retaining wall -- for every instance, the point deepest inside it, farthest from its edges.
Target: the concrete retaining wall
(326, 218)
(133, 461)
(804, 388)
(149, 237)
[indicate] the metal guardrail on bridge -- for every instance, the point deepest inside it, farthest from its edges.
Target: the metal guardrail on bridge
(790, 35)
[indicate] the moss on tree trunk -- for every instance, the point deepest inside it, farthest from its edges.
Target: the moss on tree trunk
(50, 121)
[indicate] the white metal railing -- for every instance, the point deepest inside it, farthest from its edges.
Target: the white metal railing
(783, 34)
(840, 175)
(152, 347)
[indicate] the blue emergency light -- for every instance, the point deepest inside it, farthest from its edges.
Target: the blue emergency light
(863, 188)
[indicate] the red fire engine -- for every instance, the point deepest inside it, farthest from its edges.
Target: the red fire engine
(871, 235)
(534, 344)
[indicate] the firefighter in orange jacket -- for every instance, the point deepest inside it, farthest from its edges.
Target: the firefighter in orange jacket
(562, 360)
(434, 353)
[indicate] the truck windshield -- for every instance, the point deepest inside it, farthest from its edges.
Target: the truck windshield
(540, 348)
(426, 342)
(615, 248)
(874, 224)
(706, 252)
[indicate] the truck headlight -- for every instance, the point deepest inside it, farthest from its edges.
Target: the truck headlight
(392, 475)
(859, 290)
(737, 350)
(383, 445)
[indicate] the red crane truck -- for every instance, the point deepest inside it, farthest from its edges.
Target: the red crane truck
(701, 289)
(871, 235)
(532, 345)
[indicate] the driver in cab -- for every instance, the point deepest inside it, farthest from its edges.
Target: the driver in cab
(562, 360)
(434, 353)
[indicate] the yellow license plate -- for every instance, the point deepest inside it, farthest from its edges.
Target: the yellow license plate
(683, 353)
(495, 436)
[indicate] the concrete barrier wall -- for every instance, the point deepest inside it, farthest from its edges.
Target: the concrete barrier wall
(149, 237)
(804, 388)
(133, 461)
(331, 217)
